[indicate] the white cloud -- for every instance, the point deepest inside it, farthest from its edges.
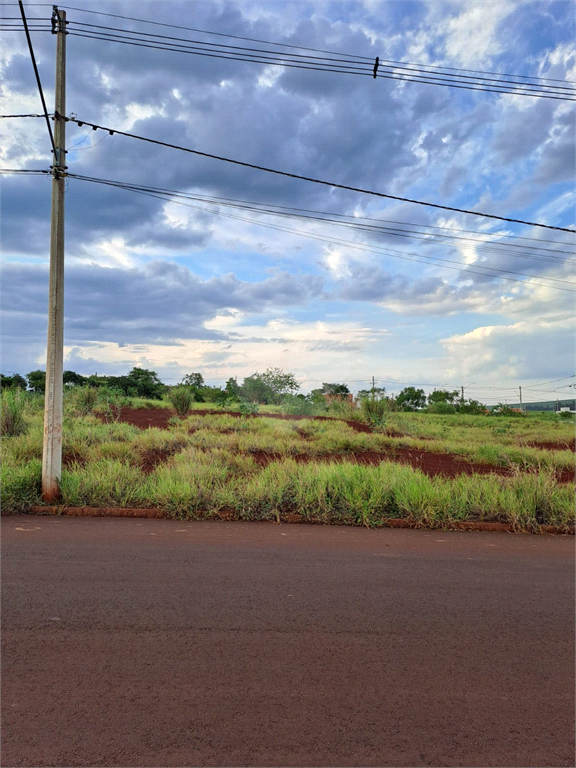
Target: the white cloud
(471, 37)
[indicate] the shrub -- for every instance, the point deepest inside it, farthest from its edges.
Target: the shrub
(441, 408)
(12, 418)
(83, 399)
(110, 402)
(374, 410)
(248, 409)
(298, 405)
(181, 399)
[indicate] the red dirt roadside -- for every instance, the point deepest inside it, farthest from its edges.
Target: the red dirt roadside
(163, 643)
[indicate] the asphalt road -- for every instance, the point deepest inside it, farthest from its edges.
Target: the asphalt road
(161, 643)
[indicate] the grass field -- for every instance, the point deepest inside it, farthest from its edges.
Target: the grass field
(428, 469)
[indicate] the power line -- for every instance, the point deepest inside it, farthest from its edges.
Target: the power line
(112, 131)
(297, 213)
(352, 64)
(429, 260)
(564, 378)
(169, 195)
(314, 50)
(299, 61)
(31, 49)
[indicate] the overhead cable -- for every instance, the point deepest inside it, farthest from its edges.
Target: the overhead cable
(39, 84)
(429, 260)
(307, 48)
(334, 185)
(323, 64)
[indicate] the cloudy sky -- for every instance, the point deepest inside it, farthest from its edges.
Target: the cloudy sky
(226, 290)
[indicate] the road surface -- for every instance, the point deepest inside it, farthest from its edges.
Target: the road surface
(162, 643)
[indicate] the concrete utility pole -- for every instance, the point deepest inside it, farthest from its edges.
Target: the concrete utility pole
(520, 390)
(52, 446)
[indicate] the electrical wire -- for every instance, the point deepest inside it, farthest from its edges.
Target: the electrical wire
(314, 50)
(428, 260)
(565, 93)
(307, 57)
(39, 84)
(361, 65)
(112, 131)
(5, 116)
(356, 223)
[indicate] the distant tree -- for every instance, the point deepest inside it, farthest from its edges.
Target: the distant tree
(255, 390)
(280, 383)
(232, 389)
(15, 381)
(36, 381)
(411, 399)
(72, 379)
(140, 382)
(374, 393)
(441, 407)
(193, 380)
(269, 387)
(335, 389)
(442, 396)
(474, 407)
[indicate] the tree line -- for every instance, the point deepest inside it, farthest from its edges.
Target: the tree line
(272, 387)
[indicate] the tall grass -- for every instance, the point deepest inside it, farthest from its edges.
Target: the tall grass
(12, 408)
(181, 399)
(212, 468)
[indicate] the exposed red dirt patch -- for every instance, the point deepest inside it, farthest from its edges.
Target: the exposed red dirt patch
(144, 418)
(565, 445)
(71, 457)
(153, 458)
(429, 463)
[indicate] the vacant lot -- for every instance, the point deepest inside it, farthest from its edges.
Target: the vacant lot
(429, 470)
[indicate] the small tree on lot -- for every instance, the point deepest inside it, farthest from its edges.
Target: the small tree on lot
(334, 390)
(232, 389)
(36, 381)
(269, 387)
(280, 383)
(193, 380)
(411, 399)
(442, 396)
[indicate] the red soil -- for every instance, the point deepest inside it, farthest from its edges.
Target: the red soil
(431, 464)
(567, 445)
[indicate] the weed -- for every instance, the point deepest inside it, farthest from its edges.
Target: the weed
(13, 405)
(248, 409)
(181, 399)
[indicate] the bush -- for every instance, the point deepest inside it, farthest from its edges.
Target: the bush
(374, 410)
(248, 409)
(12, 417)
(441, 408)
(181, 399)
(83, 399)
(297, 405)
(110, 402)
